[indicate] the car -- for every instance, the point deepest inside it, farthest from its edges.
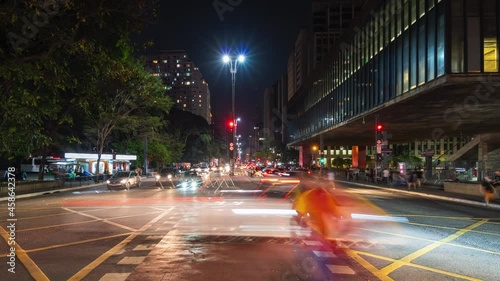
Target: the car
(124, 180)
(168, 177)
(192, 179)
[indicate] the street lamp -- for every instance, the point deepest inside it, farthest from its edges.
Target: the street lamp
(233, 68)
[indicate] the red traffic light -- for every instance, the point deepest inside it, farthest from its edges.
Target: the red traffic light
(379, 127)
(231, 124)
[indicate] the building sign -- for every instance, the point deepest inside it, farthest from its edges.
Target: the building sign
(93, 156)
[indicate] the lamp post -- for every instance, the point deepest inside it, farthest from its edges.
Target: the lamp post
(233, 68)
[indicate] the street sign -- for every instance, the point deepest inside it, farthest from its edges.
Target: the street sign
(427, 153)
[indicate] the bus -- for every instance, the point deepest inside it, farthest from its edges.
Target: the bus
(32, 164)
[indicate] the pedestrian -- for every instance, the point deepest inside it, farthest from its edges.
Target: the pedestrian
(420, 178)
(488, 190)
(367, 175)
(411, 180)
(496, 178)
(385, 175)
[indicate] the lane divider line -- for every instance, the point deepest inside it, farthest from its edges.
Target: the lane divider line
(91, 266)
(21, 254)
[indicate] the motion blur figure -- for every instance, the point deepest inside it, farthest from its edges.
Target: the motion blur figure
(317, 208)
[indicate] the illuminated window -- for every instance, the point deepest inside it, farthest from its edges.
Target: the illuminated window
(188, 83)
(155, 61)
(184, 106)
(490, 36)
(178, 65)
(165, 61)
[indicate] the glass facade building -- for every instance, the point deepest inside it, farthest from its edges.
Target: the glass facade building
(401, 46)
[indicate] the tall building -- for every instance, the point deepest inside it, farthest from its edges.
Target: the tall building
(330, 20)
(297, 63)
(427, 70)
(183, 81)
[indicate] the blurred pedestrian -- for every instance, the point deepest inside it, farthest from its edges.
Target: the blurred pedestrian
(488, 189)
(411, 180)
(420, 178)
(318, 208)
(496, 178)
(385, 175)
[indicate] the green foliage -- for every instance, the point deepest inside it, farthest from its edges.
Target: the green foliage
(341, 163)
(47, 70)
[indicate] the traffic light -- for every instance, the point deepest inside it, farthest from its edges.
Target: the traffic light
(379, 128)
(231, 125)
(379, 131)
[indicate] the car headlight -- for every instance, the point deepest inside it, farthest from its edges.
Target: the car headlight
(157, 177)
(123, 181)
(169, 177)
(184, 184)
(194, 184)
(108, 182)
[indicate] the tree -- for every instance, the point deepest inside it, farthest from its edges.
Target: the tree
(122, 88)
(200, 144)
(41, 78)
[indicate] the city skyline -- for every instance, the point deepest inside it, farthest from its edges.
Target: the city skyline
(264, 32)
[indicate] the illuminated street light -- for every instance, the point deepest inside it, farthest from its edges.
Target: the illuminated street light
(233, 68)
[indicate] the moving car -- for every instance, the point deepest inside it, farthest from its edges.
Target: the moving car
(168, 177)
(192, 179)
(124, 180)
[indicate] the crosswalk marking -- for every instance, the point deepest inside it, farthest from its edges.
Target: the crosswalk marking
(323, 254)
(144, 247)
(131, 260)
(340, 269)
(114, 277)
(155, 237)
(312, 243)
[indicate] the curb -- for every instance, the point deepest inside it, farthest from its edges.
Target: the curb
(28, 195)
(427, 195)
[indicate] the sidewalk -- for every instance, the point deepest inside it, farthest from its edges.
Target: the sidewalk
(430, 191)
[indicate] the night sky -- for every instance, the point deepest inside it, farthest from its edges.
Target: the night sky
(264, 30)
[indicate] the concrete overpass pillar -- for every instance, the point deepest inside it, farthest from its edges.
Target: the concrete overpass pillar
(305, 157)
(482, 157)
(359, 157)
(328, 157)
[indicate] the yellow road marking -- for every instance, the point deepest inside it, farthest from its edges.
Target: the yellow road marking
(77, 242)
(375, 271)
(416, 266)
(31, 266)
(405, 260)
(436, 217)
(429, 240)
(86, 270)
(93, 220)
(103, 220)
(454, 228)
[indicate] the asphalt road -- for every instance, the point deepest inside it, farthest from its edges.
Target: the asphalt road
(243, 229)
